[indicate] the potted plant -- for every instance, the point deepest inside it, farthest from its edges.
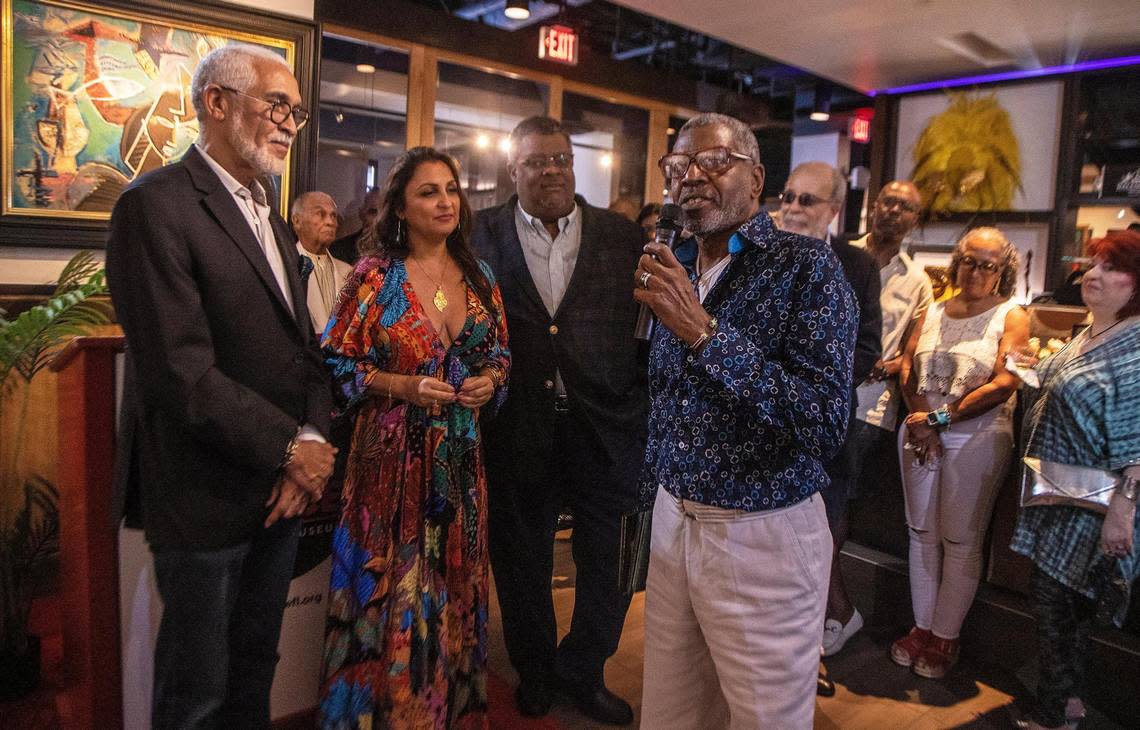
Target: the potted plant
(29, 516)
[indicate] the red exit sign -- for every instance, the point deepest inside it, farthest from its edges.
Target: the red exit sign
(860, 129)
(558, 43)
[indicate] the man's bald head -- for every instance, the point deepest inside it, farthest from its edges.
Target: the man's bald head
(314, 219)
(370, 209)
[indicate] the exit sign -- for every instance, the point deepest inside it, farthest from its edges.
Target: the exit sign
(860, 129)
(558, 43)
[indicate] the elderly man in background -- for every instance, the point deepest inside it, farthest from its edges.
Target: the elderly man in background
(344, 248)
(812, 198)
(750, 384)
(226, 404)
(314, 222)
(905, 293)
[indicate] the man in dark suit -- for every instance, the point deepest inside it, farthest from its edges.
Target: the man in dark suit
(573, 427)
(812, 197)
(226, 401)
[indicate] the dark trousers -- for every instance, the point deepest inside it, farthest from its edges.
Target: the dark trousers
(1063, 621)
(523, 510)
(221, 619)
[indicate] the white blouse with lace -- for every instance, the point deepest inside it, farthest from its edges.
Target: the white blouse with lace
(955, 356)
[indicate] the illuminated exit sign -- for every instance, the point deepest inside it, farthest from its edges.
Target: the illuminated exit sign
(860, 130)
(558, 43)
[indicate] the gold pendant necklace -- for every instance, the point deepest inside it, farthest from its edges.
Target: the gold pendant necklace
(439, 300)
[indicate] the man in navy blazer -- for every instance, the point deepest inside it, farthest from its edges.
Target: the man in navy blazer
(572, 430)
(222, 440)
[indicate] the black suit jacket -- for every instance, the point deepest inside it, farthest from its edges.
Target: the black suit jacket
(862, 274)
(220, 374)
(589, 340)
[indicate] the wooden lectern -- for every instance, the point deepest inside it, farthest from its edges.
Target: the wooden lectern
(88, 541)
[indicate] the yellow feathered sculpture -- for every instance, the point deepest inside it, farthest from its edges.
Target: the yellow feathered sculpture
(967, 158)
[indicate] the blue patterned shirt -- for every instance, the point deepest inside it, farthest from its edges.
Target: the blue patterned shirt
(748, 421)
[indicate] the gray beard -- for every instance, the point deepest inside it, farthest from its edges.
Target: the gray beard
(721, 219)
(261, 159)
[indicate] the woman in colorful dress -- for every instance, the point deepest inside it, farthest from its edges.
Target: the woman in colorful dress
(1084, 427)
(418, 349)
(957, 442)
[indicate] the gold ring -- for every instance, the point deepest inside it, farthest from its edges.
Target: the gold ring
(645, 279)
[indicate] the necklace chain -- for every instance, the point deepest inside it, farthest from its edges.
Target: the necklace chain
(439, 299)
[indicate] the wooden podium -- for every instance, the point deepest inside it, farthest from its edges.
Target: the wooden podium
(89, 583)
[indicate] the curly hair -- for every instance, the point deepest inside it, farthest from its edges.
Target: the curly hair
(386, 237)
(1009, 259)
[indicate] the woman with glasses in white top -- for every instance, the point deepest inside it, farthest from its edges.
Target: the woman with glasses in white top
(956, 444)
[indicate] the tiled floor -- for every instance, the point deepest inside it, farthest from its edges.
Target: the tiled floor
(872, 692)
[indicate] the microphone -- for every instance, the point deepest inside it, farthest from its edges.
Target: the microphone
(669, 234)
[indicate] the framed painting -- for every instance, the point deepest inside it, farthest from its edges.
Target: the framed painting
(96, 94)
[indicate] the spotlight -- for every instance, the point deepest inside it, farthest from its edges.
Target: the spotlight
(482, 141)
(505, 145)
(517, 9)
(607, 160)
(365, 68)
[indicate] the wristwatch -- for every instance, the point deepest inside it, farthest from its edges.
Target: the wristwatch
(939, 418)
(1128, 488)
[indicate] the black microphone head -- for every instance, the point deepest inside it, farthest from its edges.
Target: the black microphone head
(670, 216)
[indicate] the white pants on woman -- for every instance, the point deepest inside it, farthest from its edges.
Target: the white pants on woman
(948, 505)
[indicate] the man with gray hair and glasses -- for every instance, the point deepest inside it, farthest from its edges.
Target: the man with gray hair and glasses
(750, 383)
(226, 406)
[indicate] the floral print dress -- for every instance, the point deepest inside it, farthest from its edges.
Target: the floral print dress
(406, 637)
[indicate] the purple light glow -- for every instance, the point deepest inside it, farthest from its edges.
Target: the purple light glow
(1011, 75)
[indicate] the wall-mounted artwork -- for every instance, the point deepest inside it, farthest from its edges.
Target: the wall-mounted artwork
(94, 96)
(983, 150)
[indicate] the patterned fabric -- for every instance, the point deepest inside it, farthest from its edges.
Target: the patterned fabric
(956, 355)
(1087, 413)
(406, 640)
(1063, 621)
(748, 421)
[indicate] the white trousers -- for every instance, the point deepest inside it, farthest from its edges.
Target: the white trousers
(734, 607)
(948, 506)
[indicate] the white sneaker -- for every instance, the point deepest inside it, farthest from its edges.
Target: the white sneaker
(835, 634)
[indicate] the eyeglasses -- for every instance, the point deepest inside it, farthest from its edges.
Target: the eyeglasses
(807, 200)
(279, 111)
(902, 203)
(713, 161)
(562, 161)
(970, 262)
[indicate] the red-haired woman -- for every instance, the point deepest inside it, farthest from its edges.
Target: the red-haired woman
(1084, 426)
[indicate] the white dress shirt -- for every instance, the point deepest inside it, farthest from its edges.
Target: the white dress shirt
(905, 294)
(550, 260)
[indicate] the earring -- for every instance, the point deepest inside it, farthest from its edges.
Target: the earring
(399, 230)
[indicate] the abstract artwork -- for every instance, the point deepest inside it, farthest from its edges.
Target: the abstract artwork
(95, 97)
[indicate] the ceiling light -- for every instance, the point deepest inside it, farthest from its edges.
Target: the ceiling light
(670, 131)
(505, 144)
(339, 116)
(977, 49)
(607, 160)
(1027, 73)
(365, 68)
(821, 106)
(517, 9)
(482, 141)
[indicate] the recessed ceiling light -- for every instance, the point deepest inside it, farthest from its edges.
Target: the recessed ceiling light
(517, 9)
(505, 144)
(482, 141)
(607, 160)
(819, 116)
(365, 68)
